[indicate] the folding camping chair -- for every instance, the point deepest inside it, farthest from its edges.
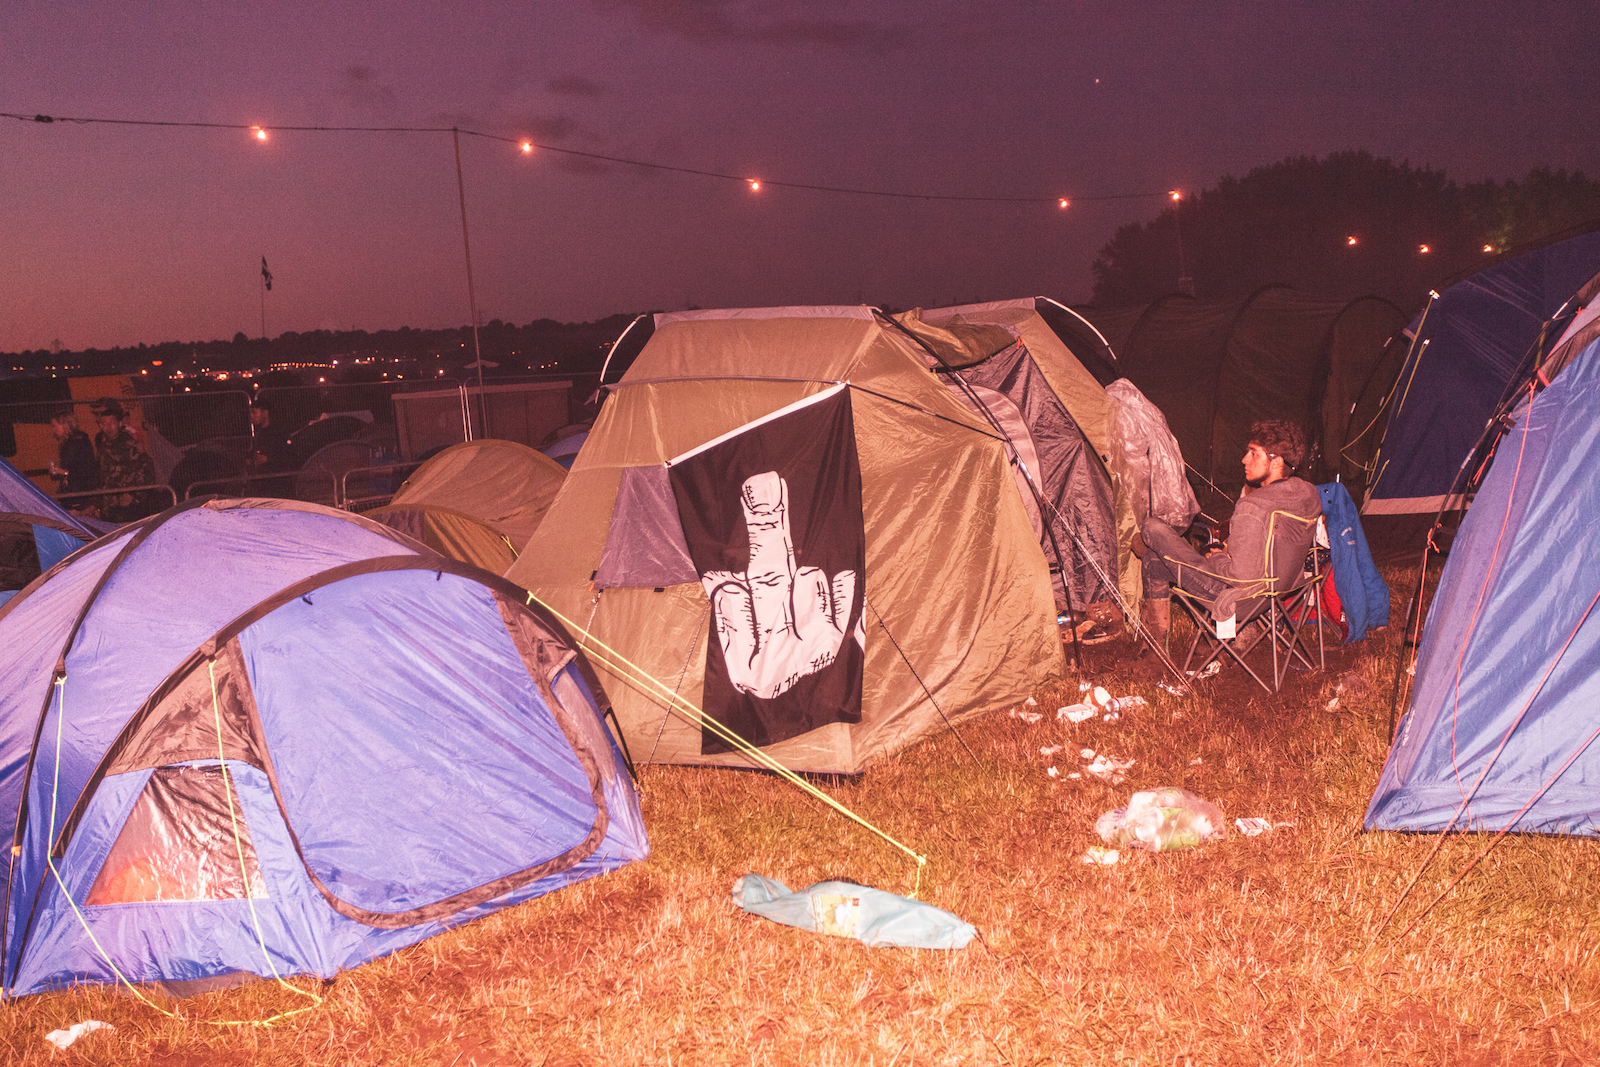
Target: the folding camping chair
(1276, 617)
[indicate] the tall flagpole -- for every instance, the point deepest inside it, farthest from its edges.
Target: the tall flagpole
(472, 297)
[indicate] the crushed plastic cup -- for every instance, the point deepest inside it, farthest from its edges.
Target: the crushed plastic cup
(1162, 820)
(1109, 769)
(1111, 708)
(64, 1038)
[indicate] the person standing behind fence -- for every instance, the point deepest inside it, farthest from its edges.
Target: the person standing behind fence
(77, 469)
(122, 463)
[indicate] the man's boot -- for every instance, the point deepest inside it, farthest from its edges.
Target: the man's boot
(1157, 618)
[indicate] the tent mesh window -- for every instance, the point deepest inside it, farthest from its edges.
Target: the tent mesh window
(178, 844)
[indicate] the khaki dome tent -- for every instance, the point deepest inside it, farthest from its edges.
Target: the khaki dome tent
(1042, 366)
(477, 501)
(949, 615)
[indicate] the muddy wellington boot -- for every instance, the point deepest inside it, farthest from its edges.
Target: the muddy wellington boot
(1157, 618)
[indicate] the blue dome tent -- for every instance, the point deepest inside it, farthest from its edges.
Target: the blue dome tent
(264, 736)
(36, 533)
(1478, 337)
(1501, 726)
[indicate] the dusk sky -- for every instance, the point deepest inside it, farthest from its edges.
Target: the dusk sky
(119, 234)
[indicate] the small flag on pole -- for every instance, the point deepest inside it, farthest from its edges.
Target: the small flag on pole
(266, 275)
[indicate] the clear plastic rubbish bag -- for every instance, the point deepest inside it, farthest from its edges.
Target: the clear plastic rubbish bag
(1162, 820)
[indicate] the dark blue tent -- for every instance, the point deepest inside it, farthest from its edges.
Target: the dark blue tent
(1506, 706)
(269, 737)
(36, 533)
(1466, 346)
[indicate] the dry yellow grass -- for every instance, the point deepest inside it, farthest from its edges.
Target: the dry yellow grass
(1246, 951)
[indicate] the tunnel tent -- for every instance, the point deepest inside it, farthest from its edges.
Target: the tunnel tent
(36, 533)
(1214, 366)
(476, 501)
(954, 599)
(1499, 731)
(264, 718)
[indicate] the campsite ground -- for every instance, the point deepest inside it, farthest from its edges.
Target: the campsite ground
(1268, 949)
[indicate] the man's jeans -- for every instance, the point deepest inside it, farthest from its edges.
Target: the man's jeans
(1170, 560)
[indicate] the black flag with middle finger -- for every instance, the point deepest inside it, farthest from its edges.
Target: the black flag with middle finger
(771, 514)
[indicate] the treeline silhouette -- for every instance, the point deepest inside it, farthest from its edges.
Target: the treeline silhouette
(1345, 226)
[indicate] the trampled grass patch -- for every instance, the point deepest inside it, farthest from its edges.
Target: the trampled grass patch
(1245, 951)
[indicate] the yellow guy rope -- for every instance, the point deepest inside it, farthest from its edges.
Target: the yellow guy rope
(631, 671)
(55, 790)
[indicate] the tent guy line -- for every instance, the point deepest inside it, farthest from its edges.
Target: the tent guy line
(686, 709)
(527, 145)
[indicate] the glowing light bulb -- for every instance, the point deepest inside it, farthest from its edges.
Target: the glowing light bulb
(1424, 249)
(1176, 195)
(1351, 241)
(1488, 248)
(755, 184)
(258, 132)
(527, 147)
(1063, 203)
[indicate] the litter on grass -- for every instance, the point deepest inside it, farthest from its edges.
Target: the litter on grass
(1162, 820)
(64, 1038)
(844, 909)
(1029, 717)
(1050, 750)
(1109, 769)
(1254, 827)
(1076, 713)
(1175, 690)
(1101, 856)
(1210, 670)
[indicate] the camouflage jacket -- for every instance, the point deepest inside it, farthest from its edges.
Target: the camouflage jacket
(123, 462)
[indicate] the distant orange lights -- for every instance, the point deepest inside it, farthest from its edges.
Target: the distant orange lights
(1488, 248)
(1176, 195)
(1351, 241)
(527, 147)
(755, 184)
(1063, 203)
(1424, 249)
(258, 132)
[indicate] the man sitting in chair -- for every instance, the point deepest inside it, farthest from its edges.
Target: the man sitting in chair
(1273, 525)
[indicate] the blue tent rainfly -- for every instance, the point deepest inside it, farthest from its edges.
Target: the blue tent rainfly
(269, 737)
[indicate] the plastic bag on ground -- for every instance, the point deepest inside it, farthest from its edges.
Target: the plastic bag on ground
(1162, 820)
(844, 909)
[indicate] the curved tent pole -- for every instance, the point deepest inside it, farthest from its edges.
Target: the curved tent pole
(977, 402)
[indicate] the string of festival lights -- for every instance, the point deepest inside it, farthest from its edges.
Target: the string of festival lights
(263, 132)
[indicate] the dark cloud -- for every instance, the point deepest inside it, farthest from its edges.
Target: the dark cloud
(580, 164)
(547, 128)
(791, 23)
(574, 85)
(359, 86)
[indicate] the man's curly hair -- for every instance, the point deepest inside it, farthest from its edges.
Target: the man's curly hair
(1281, 437)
